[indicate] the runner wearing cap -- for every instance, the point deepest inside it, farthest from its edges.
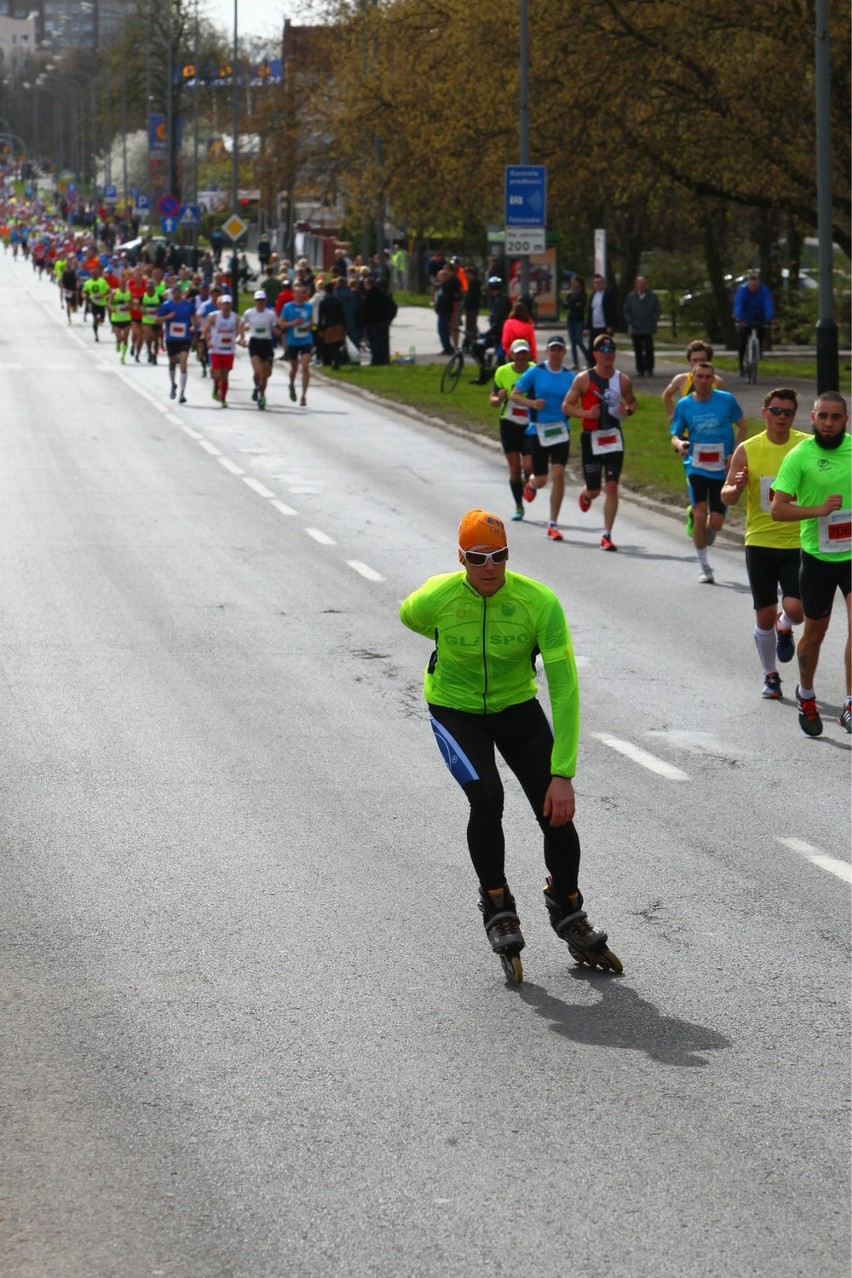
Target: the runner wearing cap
(542, 390)
(601, 396)
(513, 420)
(488, 625)
(260, 325)
(295, 321)
(220, 338)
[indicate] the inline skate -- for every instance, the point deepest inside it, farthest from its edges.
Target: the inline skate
(571, 924)
(503, 929)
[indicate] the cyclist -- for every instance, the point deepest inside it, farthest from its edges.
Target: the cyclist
(753, 308)
(487, 625)
(772, 550)
(499, 307)
(513, 420)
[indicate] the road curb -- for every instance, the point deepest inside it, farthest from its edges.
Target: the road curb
(669, 511)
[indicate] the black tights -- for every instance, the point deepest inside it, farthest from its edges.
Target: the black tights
(523, 736)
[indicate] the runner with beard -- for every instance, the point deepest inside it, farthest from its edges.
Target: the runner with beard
(814, 485)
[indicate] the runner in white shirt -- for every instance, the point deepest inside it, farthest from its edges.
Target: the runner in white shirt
(259, 324)
(220, 338)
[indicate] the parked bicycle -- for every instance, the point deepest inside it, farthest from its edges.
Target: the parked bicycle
(470, 347)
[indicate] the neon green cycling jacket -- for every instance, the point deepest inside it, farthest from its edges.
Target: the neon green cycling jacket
(484, 658)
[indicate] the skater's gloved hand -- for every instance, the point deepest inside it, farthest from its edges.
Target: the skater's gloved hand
(560, 803)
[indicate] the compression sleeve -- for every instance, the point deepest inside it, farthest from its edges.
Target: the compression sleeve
(557, 653)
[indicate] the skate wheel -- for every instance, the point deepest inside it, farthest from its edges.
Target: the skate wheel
(610, 962)
(583, 956)
(512, 967)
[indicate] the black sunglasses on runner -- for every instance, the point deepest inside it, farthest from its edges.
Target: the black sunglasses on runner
(781, 412)
(476, 558)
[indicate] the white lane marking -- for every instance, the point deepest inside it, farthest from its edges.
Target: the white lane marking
(642, 757)
(229, 465)
(816, 857)
(174, 419)
(365, 570)
(321, 537)
(209, 448)
(193, 434)
(258, 487)
(283, 507)
(16, 368)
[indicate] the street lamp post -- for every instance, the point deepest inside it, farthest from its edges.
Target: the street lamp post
(827, 354)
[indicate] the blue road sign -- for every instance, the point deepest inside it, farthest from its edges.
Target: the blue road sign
(141, 202)
(526, 195)
(188, 215)
(168, 225)
(110, 192)
(169, 205)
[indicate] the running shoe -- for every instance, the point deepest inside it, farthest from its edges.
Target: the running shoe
(584, 501)
(845, 719)
(182, 399)
(519, 512)
(690, 522)
(707, 578)
(261, 401)
(255, 394)
(223, 403)
(553, 533)
(607, 543)
(809, 720)
(785, 644)
(293, 392)
(215, 391)
(173, 391)
(530, 492)
(772, 687)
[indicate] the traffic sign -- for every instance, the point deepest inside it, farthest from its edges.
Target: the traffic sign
(168, 225)
(521, 240)
(110, 192)
(526, 195)
(234, 227)
(142, 203)
(188, 215)
(169, 205)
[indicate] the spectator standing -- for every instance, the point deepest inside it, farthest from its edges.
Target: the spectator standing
(447, 298)
(576, 306)
(602, 315)
(642, 317)
(264, 252)
(331, 323)
(400, 265)
(472, 302)
(519, 325)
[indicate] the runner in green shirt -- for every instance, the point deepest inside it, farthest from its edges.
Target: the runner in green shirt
(514, 420)
(96, 290)
(814, 485)
(488, 625)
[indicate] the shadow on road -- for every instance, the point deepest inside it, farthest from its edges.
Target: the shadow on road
(622, 1019)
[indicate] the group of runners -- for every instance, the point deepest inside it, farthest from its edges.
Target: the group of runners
(798, 513)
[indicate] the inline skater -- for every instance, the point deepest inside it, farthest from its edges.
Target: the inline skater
(814, 486)
(488, 625)
(601, 396)
(220, 338)
(772, 550)
(702, 433)
(542, 390)
(261, 325)
(513, 421)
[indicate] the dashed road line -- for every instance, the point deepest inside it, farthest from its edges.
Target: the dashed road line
(642, 757)
(817, 857)
(321, 537)
(209, 448)
(258, 487)
(365, 570)
(283, 507)
(231, 466)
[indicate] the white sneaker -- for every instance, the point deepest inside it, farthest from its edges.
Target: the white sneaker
(707, 578)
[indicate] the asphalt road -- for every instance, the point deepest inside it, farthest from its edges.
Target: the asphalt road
(251, 1026)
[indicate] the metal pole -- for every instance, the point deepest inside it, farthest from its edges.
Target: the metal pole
(827, 355)
(524, 119)
(195, 54)
(170, 180)
(148, 122)
(123, 138)
(235, 273)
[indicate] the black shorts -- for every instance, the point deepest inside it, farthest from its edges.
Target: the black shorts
(513, 437)
(296, 352)
(543, 457)
(768, 568)
(595, 466)
(98, 311)
(173, 349)
(819, 579)
(119, 324)
(702, 489)
(261, 348)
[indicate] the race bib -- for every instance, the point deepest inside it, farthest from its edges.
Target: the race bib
(550, 433)
(708, 456)
(225, 339)
(766, 493)
(261, 332)
(607, 441)
(178, 330)
(301, 330)
(835, 532)
(517, 413)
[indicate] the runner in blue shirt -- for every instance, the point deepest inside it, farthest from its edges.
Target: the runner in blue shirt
(702, 434)
(296, 320)
(541, 389)
(179, 316)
